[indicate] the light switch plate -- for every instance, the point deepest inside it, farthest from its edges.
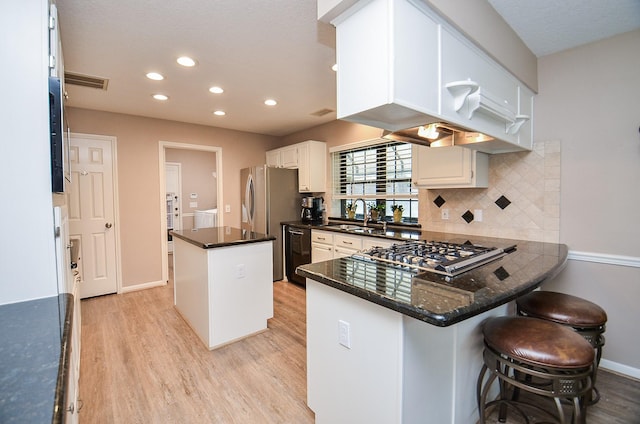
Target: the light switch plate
(193, 204)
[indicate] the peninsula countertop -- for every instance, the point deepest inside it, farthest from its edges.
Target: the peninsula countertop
(215, 237)
(438, 299)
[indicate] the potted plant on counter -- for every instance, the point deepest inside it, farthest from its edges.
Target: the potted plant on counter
(397, 212)
(351, 210)
(377, 211)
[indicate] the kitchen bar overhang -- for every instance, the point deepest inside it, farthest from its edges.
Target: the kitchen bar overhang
(444, 300)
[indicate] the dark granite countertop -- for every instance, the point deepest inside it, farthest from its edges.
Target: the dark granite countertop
(393, 231)
(441, 300)
(35, 360)
(209, 238)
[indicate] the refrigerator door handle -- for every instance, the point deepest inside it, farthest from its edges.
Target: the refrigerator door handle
(250, 199)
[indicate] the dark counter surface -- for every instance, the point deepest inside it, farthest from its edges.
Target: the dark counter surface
(34, 339)
(393, 230)
(438, 299)
(209, 238)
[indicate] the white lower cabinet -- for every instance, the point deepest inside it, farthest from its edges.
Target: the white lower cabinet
(346, 245)
(371, 242)
(449, 167)
(321, 246)
(73, 403)
(326, 245)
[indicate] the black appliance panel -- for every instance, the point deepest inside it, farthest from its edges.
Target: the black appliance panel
(297, 252)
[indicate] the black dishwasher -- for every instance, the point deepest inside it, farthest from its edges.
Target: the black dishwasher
(297, 251)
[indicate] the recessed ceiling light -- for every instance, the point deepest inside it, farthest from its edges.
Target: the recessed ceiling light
(334, 67)
(160, 97)
(270, 102)
(186, 61)
(155, 76)
(216, 90)
(219, 113)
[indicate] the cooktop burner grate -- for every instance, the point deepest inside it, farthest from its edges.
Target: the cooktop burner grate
(441, 257)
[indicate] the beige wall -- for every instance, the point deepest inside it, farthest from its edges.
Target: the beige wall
(590, 100)
(139, 183)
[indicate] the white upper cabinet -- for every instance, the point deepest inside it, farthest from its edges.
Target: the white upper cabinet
(400, 65)
(309, 158)
(449, 167)
(285, 157)
(479, 94)
(312, 166)
(56, 61)
(387, 65)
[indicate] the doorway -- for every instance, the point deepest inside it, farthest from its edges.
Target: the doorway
(198, 198)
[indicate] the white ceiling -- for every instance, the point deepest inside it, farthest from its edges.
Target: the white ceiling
(550, 26)
(257, 49)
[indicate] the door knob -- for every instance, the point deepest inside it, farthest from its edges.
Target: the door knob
(108, 225)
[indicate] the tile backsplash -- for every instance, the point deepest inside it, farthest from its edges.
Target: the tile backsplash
(521, 202)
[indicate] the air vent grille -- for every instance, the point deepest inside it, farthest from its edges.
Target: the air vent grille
(86, 80)
(322, 112)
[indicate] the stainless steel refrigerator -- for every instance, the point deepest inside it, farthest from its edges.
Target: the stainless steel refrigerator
(269, 197)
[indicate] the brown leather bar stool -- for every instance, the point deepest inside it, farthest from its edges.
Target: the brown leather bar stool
(534, 356)
(586, 318)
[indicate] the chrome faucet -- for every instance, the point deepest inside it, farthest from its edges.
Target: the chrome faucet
(364, 207)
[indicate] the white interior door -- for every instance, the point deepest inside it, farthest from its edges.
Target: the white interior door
(92, 213)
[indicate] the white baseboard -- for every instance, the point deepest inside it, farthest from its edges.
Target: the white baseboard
(620, 368)
(143, 286)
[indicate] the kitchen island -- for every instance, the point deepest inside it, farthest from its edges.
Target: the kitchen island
(223, 283)
(387, 344)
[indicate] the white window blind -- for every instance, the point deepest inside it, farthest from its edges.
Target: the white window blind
(377, 172)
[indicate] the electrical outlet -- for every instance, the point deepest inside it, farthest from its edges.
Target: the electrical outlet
(227, 208)
(241, 271)
(477, 215)
(444, 214)
(344, 334)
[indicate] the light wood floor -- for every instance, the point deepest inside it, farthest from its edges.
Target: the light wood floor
(141, 363)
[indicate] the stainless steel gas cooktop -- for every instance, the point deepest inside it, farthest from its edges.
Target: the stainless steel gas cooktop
(445, 258)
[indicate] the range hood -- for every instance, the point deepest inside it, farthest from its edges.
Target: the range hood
(438, 134)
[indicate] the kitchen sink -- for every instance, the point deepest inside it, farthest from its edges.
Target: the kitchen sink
(357, 229)
(346, 227)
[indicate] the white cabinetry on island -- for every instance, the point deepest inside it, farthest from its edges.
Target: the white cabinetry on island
(223, 283)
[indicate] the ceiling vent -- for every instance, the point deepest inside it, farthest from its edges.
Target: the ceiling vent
(86, 80)
(322, 112)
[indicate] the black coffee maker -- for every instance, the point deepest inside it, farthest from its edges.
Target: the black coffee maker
(311, 209)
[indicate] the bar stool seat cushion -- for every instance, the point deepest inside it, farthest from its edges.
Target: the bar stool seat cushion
(539, 342)
(562, 308)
